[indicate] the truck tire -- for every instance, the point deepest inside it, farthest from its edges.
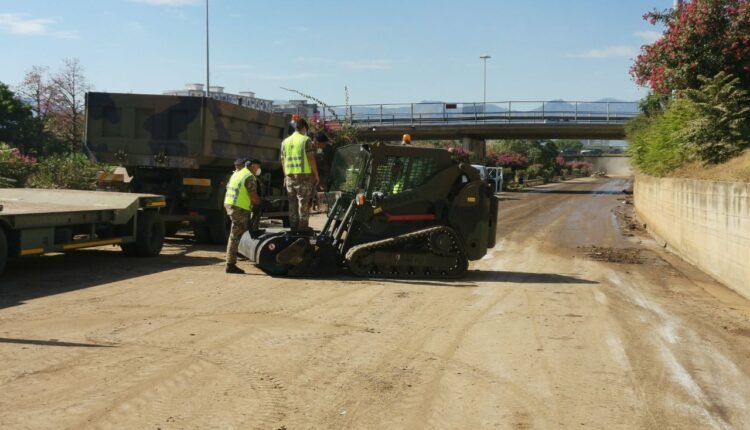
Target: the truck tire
(3, 250)
(171, 228)
(219, 227)
(149, 236)
(201, 232)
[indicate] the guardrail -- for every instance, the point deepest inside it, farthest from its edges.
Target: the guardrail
(507, 112)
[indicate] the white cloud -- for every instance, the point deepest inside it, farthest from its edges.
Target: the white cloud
(20, 24)
(292, 77)
(169, 2)
(608, 52)
(649, 36)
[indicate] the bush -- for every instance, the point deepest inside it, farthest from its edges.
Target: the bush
(534, 171)
(15, 168)
(657, 143)
(721, 129)
(68, 171)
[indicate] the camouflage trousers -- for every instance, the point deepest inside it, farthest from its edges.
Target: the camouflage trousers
(299, 189)
(239, 219)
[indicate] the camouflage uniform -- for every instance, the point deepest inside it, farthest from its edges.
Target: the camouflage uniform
(300, 189)
(240, 218)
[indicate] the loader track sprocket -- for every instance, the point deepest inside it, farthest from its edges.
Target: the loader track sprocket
(431, 253)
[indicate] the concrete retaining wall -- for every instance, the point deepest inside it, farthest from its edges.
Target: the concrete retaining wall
(707, 223)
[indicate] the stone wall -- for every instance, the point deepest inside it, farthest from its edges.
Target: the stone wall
(707, 223)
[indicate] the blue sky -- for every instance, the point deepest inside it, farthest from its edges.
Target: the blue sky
(385, 52)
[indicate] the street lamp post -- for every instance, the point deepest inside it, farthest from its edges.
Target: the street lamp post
(484, 58)
(208, 82)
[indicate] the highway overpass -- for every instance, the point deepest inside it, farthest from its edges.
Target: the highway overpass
(479, 121)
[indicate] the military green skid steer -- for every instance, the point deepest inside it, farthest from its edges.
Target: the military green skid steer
(399, 212)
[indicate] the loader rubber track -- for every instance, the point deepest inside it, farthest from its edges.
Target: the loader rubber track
(361, 258)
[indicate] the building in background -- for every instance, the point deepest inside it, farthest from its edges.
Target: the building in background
(244, 98)
(300, 107)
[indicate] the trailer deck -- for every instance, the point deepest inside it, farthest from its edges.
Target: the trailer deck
(38, 221)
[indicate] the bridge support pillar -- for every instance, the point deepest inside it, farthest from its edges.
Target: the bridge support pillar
(478, 148)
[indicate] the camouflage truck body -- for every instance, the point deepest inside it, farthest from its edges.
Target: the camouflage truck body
(184, 148)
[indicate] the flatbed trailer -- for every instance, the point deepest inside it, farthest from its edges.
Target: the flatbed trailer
(38, 221)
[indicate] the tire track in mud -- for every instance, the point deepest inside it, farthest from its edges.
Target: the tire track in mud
(675, 371)
(433, 403)
(145, 395)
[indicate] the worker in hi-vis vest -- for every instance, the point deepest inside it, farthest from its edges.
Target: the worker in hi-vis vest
(397, 177)
(239, 200)
(300, 175)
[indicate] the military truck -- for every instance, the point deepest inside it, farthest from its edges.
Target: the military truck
(184, 148)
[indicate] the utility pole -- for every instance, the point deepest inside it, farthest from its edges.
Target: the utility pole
(208, 82)
(484, 103)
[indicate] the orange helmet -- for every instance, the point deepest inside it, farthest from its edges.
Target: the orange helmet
(406, 138)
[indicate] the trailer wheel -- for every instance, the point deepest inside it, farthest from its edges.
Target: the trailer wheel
(3, 250)
(149, 236)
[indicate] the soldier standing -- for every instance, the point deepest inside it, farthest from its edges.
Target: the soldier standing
(239, 200)
(301, 175)
(255, 214)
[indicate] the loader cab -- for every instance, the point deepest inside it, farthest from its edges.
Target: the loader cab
(387, 169)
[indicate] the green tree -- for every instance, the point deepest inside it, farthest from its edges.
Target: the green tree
(16, 120)
(569, 144)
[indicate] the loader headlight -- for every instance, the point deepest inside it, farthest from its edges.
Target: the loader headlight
(360, 199)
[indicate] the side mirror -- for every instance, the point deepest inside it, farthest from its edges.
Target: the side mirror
(377, 198)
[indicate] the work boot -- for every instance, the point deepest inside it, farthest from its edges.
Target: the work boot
(232, 268)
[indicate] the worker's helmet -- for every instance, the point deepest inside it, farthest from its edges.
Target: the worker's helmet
(406, 138)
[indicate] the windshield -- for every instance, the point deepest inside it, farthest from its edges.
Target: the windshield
(345, 169)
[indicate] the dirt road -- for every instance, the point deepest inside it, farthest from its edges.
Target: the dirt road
(546, 332)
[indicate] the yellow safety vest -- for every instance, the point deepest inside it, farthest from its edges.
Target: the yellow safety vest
(398, 186)
(237, 194)
(295, 154)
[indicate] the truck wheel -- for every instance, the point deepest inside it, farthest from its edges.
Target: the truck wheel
(171, 228)
(201, 233)
(149, 236)
(219, 226)
(3, 250)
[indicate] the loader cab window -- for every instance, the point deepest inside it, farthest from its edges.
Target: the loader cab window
(346, 168)
(399, 174)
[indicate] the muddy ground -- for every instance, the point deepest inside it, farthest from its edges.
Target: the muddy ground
(545, 332)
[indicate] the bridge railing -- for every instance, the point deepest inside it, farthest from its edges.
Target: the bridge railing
(508, 112)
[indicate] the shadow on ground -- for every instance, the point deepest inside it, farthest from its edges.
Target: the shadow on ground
(523, 277)
(51, 342)
(473, 277)
(32, 277)
(594, 192)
